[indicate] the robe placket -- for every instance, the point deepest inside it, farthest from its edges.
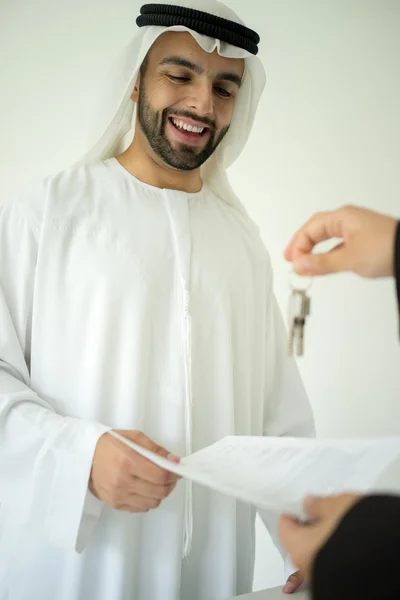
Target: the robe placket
(177, 206)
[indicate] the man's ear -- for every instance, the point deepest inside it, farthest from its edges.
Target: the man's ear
(135, 94)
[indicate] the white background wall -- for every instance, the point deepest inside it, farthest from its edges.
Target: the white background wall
(327, 134)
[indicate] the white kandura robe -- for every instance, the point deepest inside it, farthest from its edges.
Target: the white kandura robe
(93, 315)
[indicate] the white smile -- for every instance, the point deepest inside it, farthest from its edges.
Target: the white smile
(185, 127)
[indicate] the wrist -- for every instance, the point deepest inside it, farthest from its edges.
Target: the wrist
(391, 264)
(396, 261)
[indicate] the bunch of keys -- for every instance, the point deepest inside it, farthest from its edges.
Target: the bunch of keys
(299, 310)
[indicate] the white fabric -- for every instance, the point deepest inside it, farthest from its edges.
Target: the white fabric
(92, 273)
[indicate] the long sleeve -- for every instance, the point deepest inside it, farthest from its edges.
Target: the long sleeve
(360, 560)
(287, 408)
(45, 458)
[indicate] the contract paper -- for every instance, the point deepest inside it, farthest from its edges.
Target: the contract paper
(278, 473)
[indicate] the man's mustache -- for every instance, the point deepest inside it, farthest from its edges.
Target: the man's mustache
(189, 115)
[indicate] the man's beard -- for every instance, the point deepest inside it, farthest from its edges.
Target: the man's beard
(184, 157)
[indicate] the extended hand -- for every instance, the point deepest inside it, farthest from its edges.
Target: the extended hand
(124, 480)
(304, 540)
(367, 247)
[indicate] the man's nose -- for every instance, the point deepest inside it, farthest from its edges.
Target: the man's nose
(201, 100)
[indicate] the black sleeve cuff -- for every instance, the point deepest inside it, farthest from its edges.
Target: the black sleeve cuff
(397, 263)
(361, 559)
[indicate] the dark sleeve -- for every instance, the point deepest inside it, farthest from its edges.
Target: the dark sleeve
(397, 262)
(361, 559)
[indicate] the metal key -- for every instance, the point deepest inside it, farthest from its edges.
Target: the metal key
(299, 309)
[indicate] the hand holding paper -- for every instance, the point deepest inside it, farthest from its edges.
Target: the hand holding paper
(278, 473)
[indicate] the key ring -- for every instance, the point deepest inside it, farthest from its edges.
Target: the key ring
(307, 285)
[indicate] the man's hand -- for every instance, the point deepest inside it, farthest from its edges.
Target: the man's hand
(124, 480)
(367, 247)
(303, 541)
(293, 583)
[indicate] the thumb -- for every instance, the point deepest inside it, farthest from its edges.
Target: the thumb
(138, 437)
(334, 261)
(289, 528)
(161, 451)
(314, 507)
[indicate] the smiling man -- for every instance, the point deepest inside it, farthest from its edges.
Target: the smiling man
(185, 98)
(136, 295)
(184, 138)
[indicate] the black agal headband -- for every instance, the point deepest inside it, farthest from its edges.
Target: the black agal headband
(167, 15)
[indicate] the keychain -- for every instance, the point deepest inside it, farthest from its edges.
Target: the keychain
(299, 310)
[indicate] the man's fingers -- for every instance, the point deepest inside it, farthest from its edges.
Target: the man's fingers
(136, 503)
(143, 468)
(142, 495)
(142, 440)
(146, 470)
(320, 227)
(152, 490)
(133, 509)
(333, 261)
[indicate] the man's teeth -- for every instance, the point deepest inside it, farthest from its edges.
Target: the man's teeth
(187, 127)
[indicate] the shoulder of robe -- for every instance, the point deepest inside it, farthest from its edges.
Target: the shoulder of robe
(81, 190)
(59, 192)
(21, 213)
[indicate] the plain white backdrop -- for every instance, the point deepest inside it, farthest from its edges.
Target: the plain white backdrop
(327, 133)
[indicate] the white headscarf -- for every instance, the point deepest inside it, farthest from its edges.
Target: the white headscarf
(115, 122)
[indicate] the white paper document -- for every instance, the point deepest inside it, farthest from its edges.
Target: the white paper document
(278, 473)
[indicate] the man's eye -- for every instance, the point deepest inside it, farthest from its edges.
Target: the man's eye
(179, 79)
(222, 92)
